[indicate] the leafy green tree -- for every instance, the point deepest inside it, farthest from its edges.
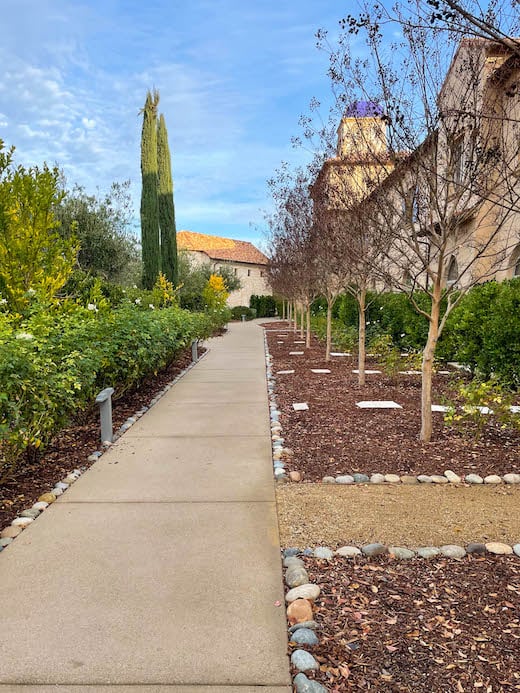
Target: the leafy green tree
(194, 278)
(35, 261)
(149, 196)
(101, 224)
(166, 205)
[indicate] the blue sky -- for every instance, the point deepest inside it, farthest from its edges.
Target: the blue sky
(233, 76)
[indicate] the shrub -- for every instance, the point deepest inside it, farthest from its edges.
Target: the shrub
(238, 311)
(265, 306)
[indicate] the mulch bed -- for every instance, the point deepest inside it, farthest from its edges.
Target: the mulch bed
(336, 437)
(71, 448)
(420, 626)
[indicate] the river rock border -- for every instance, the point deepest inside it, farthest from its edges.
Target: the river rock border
(27, 516)
(280, 454)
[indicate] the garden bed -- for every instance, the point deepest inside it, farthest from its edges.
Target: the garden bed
(335, 437)
(417, 626)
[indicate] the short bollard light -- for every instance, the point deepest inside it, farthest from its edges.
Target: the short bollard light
(104, 399)
(243, 316)
(194, 350)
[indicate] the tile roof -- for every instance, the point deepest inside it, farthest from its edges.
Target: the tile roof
(218, 248)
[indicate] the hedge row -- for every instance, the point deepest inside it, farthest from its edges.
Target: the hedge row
(54, 364)
(482, 332)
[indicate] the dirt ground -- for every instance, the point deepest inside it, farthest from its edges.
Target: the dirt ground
(412, 516)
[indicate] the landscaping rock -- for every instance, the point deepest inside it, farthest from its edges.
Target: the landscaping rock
(407, 479)
(323, 552)
(62, 485)
(348, 551)
(452, 477)
(400, 552)
(293, 561)
(70, 479)
(473, 479)
(511, 478)
(374, 549)
(5, 541)
(305, 685)
(498, 548)
(47, 498)
(30, 512)
(453, 551)
(361, 478)
(296, 576)
(40, 505)
(304, 636)
(492, 479)
(299, 611)
(516, 549)
(308, 591)
(377, 479)
(57, 491)
(94, 456)
(392, 478)
(428, 551)
(475, 547)
(328, 480)
(438, 479)
(424, 479)
(22, 522)
(10, 532)
(344, 479)
(306, 624)
(295, 476)
(303, 661)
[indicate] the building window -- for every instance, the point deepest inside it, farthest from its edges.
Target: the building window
(248, 273)
(453, 271)
(235, 271)
(262, 273)
(457, 159)
(515, 261)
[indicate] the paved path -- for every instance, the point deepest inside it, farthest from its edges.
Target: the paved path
(159, 568)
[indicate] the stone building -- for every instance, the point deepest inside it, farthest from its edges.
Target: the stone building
(240, 257)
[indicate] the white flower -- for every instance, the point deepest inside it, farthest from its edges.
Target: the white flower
(368, 323)
(151, 305)
(137, 301)
(30, 292)
(403, 334)
(91, 306)
(24, 335)
(381, 308)
(3, 301)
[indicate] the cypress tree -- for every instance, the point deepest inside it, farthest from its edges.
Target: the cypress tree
(149, 198)
(166, 205)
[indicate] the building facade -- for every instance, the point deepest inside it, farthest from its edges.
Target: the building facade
(241, 258)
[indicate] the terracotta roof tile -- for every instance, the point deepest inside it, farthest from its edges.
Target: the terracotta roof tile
(218, 248)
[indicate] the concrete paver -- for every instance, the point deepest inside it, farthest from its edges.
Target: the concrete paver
(160, 567)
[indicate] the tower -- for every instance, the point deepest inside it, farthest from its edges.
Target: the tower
(362, 132)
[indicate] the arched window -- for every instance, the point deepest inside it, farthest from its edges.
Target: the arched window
(515, 262)
(453, 271)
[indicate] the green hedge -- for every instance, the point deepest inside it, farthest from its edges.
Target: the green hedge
(238, 311)
(53, 364)
(265, 306)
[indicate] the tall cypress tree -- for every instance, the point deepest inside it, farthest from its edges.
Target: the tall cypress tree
(149, 197)
(166, 205)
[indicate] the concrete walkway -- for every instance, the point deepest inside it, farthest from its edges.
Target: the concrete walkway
(160, 568)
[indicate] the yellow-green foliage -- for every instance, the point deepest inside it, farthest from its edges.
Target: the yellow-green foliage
(34, 260)
(215, 294)
(163, 292)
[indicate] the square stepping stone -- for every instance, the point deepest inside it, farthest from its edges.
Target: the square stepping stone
(299, 342)
(443, 372)
(378, 404)
(339, 353)
(515, 409)
(410, 372)
(296, 353)
(367, 372)
(300, 406)
(320, 370)
(284, 372)
(279, 342)
(439, 407)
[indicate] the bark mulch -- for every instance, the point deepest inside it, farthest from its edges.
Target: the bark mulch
(72, 446)
(417, 626)
(336, 437)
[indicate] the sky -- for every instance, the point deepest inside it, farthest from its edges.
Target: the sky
(233, 78)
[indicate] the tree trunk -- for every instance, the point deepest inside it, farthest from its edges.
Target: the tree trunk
(308, 336)
(283, 310)
(328, 346)
(302, 321)
(295, 318)
(427, 367)
(361, 336)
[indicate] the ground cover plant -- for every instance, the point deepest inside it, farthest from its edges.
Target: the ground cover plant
(336, 437)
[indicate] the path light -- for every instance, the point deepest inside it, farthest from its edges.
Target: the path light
(104, 399)
(194, 350)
